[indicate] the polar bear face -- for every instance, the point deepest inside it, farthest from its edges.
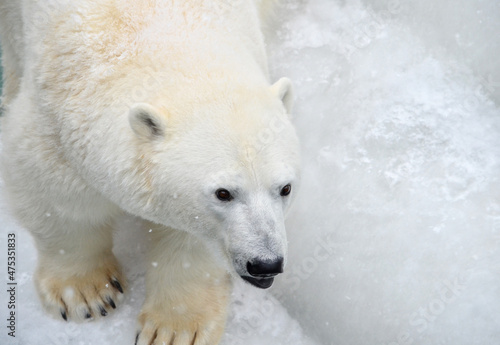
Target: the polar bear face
(225, 173)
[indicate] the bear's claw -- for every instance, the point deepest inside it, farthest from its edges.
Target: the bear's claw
(111, 302)
(117, 285)
(81, 295)
(102, 311)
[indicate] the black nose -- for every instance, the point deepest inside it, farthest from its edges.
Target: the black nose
(265, 268)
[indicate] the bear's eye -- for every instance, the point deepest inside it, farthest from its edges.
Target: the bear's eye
(223, 194)
(286, 190)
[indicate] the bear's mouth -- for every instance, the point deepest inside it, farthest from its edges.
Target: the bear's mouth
(261, 283)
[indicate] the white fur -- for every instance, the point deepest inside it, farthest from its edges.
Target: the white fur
(148, 107)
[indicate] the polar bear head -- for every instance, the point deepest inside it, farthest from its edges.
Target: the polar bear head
(224, 168)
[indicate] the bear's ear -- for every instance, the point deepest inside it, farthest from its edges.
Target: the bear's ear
(146, 122)
(283, 89)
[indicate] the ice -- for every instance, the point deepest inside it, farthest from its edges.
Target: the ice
(401, 152)
(395, 233)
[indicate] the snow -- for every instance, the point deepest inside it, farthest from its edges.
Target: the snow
(395, 233)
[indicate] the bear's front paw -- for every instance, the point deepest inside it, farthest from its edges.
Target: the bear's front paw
(81, 295)
(181, 326)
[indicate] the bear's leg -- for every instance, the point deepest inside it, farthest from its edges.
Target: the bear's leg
(11, 35)
(77, 277)
(187, 292)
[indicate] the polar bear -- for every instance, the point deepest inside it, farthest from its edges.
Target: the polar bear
(164, 110)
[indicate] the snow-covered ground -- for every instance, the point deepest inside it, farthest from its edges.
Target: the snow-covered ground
(395, 236)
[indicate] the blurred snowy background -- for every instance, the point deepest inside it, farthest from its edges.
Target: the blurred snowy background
(395, 234)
